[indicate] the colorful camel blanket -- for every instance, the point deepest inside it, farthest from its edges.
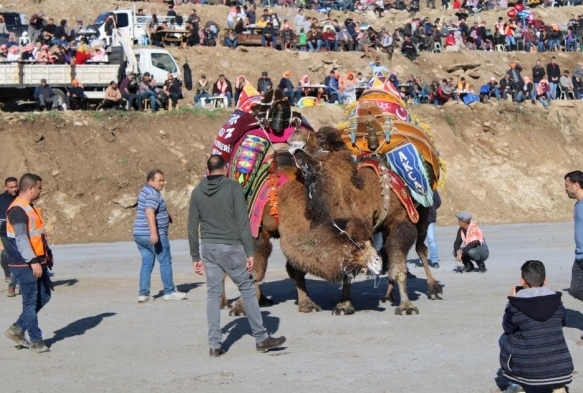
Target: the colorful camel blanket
(399, 187)
(406, 161)
(264, 195)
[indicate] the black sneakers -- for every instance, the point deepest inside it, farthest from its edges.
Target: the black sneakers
(15, 334)
(270, 343)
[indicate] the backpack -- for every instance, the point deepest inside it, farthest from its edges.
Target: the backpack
(485, 89)
(187, 76)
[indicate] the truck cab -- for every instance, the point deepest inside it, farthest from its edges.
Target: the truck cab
(158, 62)
(15, 23)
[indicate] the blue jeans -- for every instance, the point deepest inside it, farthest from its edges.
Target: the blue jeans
(149, 253)
(264, 41)
(228, 95)
(36, 293)
(152, 96)
(510, 41)
(553, 86)
(332, 45)
(231, 43)
(318, 45)
(432, 243)
(230, 259)
(541, 46)
(554, 42)
(198, 96)
(571, 46)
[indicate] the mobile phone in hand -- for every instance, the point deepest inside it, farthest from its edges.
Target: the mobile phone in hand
(518, 288)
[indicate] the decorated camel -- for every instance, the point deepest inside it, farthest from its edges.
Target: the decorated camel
(254, 143)
(389, 188)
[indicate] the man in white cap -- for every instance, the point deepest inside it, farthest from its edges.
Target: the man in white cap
(470, 245)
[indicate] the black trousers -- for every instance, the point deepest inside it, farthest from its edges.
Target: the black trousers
(576, 289)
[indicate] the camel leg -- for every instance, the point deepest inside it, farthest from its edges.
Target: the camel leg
(433, 288)
(263, 248)
(399, 243)
(344, 306)
(305, 304)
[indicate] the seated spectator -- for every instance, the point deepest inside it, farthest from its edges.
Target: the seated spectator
(304, 82)
(83, 53)
(330, 41)
(75, 96)
(13, 54)
(223, 88)
(421, 91)
(232, 17)
(145, 91)
(59, 56)
(555, 37)
(462, 88)
(129, 91)
(571, 42)
(288, 37)
(543, 93)
(264, 83)
(44, 96)
(112, 98)
(314, 40)
(202, 89)
(367, 43)
(240, 83)
(387, 43)
(525, 92)
(578, 81)
(268, 36)
(507, 87)
(333, 85)
(286, 86)
(567, 85)
(361, 80)
(345, 40)
(193, 36)
(27, 53)
(43, 56)
(231, 40)
(489, 90)
(408, 50)
(321, 96)
(450, 40)
(533, 328)
(445, 91)
(394, 81)
(173, 91)
(209, 37)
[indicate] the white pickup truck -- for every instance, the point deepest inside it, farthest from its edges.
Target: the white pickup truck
(19, 79)
(133, 25)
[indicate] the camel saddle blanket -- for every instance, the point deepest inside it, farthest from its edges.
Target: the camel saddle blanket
(247, 159)
(257, 204)
(408, 164)
(398, 186)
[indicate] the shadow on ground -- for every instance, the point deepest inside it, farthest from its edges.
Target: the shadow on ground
(78, 328)
(574, 319)
(181, 288)
(68, 283)
(239, 327)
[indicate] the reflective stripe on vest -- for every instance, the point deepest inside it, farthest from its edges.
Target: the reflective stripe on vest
(35, 226)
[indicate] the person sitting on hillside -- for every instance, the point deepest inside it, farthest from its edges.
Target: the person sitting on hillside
(567, 85)
(526, 92)
(75, 96)
(314, 40)
(543, 93)
(223, 88)
(507, 87)
(173, 91)
(286, 86)
(209, 37)
(240, 83)
(113, 98)
(288, 37)
(231, 40)
(408, 50)
(202, 89)
(489, 90)
(330, 41)
(462, 88)
(44, 96)
(268, 36)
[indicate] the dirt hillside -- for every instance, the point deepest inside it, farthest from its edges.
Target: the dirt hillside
(505, 162)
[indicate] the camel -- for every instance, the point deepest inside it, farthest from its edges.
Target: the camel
(332, 252)
(338, 189)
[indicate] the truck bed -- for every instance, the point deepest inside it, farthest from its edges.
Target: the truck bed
(22, 75)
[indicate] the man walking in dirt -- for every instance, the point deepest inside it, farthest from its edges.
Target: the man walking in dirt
(218, 205)
(151, 236)
(29, 256)
(574, 189)
(6, 199)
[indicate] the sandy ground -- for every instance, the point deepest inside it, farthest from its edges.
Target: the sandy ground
(103, 340)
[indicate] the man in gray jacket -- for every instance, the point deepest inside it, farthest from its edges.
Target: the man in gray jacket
(218, 205)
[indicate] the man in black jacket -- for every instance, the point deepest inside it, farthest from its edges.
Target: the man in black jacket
(264, 83)
(6, 200)
(218, 205)
(538, 73)
(554, 73)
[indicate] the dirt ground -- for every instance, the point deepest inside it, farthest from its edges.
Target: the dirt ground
(102, 340)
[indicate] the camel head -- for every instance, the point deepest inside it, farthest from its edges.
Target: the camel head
(317, 144)
(357, 235)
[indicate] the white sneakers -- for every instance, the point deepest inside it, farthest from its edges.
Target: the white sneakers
(175, 296)
(143, 298)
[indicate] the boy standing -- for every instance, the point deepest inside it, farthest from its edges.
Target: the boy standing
(533, 351)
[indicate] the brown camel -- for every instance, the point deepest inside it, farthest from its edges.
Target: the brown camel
(340, 190)
(322, 250)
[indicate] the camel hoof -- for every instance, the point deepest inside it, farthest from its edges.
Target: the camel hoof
(237, 310)
(344, 308)
(410, 310)
(308, 306)
(265, 301)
